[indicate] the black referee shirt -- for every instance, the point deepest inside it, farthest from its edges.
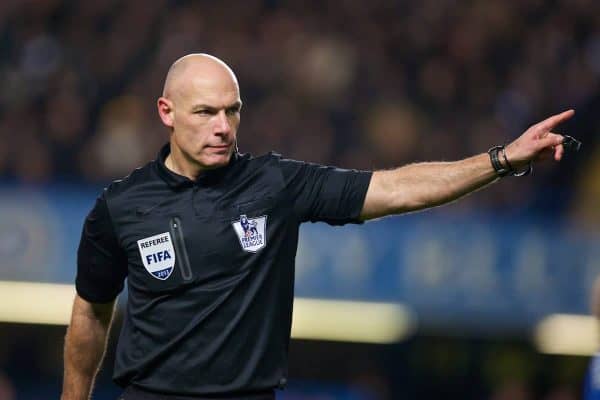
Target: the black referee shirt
(210, 267)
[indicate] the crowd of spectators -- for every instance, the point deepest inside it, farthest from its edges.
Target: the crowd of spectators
(361, 84)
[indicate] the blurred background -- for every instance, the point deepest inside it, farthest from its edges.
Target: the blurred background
(486, 297)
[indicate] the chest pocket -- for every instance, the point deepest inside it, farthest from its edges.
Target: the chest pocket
(157, 255)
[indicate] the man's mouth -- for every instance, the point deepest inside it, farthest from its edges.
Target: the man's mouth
(219, 147)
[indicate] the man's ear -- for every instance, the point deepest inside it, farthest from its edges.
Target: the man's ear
(165, 111)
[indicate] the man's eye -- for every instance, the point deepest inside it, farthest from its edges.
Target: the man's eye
(233, 111)
(202, 112)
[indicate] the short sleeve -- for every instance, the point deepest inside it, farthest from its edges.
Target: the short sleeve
(320, 193)
(101, 262)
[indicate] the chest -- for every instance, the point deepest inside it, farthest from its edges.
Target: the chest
(201, 236)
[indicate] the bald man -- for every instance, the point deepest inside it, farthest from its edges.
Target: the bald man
(207, 238)
(201, 106)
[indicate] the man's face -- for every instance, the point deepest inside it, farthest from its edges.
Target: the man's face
(205, 118)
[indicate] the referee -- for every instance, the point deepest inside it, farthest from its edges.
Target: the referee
(207, 238)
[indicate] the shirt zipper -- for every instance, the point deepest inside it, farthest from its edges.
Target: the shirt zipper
(183, 260)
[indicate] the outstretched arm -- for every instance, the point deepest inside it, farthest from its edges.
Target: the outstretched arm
(429, 184)
(85, 344)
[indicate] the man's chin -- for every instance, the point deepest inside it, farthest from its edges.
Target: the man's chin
(216, 160)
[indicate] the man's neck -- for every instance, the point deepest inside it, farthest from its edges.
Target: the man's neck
(181, 166)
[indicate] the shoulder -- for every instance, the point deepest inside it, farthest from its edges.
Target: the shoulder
(264, 163)
(273, 159)
(137, 176)
(263, 159)
(262, 173)
(138, 181)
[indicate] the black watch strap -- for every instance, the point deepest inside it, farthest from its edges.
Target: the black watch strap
(494, 153)
(500, 169)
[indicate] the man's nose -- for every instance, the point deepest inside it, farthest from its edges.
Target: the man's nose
(222, 124)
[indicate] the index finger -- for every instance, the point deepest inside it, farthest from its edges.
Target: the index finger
(556, 119)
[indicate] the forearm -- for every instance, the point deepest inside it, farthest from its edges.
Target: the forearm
(85, 344)
(423, 185)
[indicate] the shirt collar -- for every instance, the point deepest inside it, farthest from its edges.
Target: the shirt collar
(175, 180)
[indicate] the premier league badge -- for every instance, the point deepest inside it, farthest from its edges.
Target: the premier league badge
(158, 255)
(251, 232)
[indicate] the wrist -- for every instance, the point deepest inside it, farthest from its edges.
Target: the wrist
(503, 166)
(515, 162)
(496, 160)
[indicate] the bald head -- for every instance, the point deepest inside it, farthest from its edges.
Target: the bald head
(197, 67)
